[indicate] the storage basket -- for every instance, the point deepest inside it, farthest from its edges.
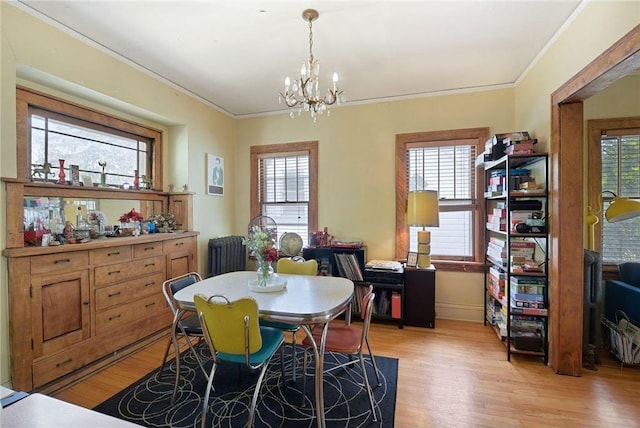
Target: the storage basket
(622, 338)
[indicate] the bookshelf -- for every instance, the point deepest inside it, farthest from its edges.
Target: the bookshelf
(350, 263)
(516, 252)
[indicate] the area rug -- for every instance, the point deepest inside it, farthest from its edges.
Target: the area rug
(147, 402)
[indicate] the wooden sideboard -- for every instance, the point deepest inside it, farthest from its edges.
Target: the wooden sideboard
(75, 308)
(71, 305)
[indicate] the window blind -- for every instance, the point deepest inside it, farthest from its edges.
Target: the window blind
(284, 192)
(449, 168)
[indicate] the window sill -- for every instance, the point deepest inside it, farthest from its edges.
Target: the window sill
(459, 266)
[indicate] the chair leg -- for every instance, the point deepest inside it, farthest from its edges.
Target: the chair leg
(293, 356)
(164, 359)
(205, 404)
(373, 362)
(254, 400)
(368, 387)
(304, 376)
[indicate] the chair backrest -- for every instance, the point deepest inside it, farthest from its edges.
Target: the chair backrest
(173, 285)
(309, 267)
(366, 309)
(229, 327)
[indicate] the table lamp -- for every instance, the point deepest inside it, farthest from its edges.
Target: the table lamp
(422, 210)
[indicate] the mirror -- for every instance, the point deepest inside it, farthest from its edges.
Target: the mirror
(52, 212)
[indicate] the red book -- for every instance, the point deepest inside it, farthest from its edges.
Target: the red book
(396, 305)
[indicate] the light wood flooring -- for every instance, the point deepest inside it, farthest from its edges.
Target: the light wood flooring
(455, 375)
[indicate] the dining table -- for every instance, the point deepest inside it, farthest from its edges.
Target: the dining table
(308, 301)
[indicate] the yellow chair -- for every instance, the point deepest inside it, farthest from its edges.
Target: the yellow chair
(296, 267)
(309, 267)
(233, 333)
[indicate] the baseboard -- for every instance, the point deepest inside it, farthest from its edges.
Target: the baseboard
(450, 311)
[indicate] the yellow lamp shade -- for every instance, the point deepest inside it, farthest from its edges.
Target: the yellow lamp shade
(422, 208)
(622, 209)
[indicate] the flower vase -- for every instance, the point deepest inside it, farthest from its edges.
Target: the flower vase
(61, 175)
(265, 273)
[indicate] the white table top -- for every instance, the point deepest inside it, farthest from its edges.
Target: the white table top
(305, 300)
(37, 410)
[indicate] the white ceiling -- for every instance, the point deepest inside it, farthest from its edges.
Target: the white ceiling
(236, 54)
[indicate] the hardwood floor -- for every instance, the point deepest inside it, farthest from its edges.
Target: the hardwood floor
(455, 375)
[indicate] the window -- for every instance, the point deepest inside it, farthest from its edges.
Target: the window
(620, 157)
(443, 161)
(50, 130)
(284, 177)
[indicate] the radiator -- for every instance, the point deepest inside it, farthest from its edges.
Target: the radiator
(593, 303)
(226, 254)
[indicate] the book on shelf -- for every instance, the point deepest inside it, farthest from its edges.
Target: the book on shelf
(527, 280)
(528, 311)
(527, 304)
(396, 305)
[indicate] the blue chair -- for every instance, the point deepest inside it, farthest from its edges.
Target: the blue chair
(233, 333)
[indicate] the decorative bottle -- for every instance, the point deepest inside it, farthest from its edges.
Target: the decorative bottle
(61, 175)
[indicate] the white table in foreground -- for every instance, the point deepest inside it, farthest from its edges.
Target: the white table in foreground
(307, 300)
(37, 410)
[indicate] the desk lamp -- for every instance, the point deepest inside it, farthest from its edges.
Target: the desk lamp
(422, 210)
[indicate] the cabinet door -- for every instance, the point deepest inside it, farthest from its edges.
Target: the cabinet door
(61, 311)
(180, 256)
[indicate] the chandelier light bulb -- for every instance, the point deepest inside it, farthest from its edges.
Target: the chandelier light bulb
(305, 90)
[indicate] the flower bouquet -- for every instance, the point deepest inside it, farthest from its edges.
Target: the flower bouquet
(261, 245)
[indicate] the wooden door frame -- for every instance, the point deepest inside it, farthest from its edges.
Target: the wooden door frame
(567, 201)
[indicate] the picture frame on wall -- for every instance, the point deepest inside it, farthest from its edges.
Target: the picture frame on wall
(215, 175)
(412, 259)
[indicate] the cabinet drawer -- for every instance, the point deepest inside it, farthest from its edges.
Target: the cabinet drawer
(110, 255)
(126, 314)
(52, 367)
(147, 250)
(59, 262)
(183, 244)
(119, 272)
(128, 291)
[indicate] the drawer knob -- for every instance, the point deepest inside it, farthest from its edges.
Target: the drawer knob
(149, 248)
(115, 272)
(150, 283)
(149, 305)
(149, 265)
(114, 317)
(62, 261)
(115, 253)
(62, 363)
(114, 294)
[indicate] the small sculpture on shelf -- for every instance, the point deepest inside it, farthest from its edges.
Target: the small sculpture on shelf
(61, 174)
(42, 172)
(103, 175)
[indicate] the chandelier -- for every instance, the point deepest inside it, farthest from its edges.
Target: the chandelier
(304, 92)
